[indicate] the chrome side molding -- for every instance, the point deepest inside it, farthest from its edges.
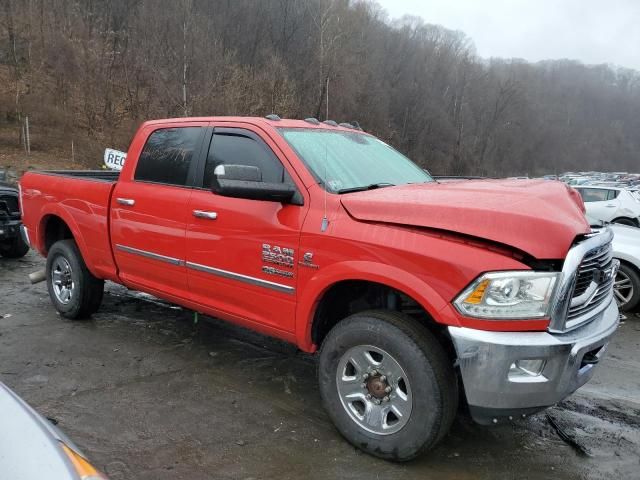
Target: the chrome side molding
(153, 256)
(279, 287)
(240, 277)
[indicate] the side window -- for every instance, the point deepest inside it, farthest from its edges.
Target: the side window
(167, 155)
(593, 194)
(613, 194)
(241, 149)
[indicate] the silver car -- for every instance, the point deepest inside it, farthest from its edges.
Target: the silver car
(32, 448)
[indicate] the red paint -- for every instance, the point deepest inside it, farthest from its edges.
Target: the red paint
(428, 241)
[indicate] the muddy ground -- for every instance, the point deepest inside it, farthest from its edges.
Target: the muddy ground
(149, 393)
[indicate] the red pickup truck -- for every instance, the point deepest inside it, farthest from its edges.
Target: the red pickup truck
(414, 292)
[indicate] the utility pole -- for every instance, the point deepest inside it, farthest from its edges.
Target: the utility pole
(184, 66)
(27, 139)
(327, 89)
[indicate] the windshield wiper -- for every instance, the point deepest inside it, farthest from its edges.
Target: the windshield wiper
(371, 186)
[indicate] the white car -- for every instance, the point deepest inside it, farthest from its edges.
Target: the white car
(610, 205)
(626, 248)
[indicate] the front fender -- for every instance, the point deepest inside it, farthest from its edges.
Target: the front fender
(388, 275)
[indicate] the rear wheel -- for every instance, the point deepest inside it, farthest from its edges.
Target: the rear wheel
(626, 288)
(73, 289)
(387, 384)
(14, 248)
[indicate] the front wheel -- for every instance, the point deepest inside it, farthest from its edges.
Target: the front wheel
(387, 384)
(73, 289)
(626, 288)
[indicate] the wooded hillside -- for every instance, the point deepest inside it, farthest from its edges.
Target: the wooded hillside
(90, 71)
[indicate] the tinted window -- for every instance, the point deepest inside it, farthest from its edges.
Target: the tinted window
(593, 194)
(613, 194)
(167, 155)
(238, 149)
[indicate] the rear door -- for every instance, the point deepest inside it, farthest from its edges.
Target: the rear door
(150, 210)
(242, 254)
(599, 203)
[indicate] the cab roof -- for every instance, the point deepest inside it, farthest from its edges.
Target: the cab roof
(281, 123)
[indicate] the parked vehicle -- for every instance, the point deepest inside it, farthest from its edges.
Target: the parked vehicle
(12, 245)
(32, 448)
(626, 248)
(326, 237)
(610, 205)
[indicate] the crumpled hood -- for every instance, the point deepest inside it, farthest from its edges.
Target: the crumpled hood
(539, 217)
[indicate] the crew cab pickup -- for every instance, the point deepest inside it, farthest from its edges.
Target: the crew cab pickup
(326, 237)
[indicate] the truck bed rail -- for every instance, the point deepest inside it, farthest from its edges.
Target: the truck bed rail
(102, 175)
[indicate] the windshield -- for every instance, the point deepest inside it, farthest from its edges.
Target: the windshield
(350, 161)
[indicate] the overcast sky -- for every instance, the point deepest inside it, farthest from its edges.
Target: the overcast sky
(592, 31)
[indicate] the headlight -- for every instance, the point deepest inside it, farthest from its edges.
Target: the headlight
(509, 295)
(83, 468)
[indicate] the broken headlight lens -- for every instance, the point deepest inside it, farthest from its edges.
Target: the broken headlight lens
(509, 295)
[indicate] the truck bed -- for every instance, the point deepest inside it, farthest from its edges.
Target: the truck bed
(80, 199)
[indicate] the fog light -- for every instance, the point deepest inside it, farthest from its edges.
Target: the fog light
(527, 368)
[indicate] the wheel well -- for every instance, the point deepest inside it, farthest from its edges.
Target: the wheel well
(632, 266)
(352, 296)
(631, 220)
(55, 229)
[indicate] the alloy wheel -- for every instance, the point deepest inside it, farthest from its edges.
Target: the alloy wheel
(374, 389)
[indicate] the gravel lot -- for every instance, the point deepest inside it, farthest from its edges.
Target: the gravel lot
(148, 392)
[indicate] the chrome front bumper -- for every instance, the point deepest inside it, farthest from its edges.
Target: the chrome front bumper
(496, 392)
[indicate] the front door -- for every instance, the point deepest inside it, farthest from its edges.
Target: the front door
(149, 211)
(242, 254)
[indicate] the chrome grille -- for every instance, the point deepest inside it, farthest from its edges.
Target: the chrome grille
(586, 284)
(593, 282)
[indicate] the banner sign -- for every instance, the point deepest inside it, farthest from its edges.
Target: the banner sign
(114, 159)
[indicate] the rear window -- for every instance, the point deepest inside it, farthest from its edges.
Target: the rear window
(167, 156)
(594, 194)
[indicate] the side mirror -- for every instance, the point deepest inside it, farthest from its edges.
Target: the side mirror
(242, 181)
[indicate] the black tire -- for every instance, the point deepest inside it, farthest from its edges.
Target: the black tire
(430, 373)
(626, 221)
(16, 248)
(87, 290)
(628, 272)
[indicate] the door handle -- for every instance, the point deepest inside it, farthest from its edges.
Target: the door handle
(610, 206)
(203, 214)
(129, 202)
